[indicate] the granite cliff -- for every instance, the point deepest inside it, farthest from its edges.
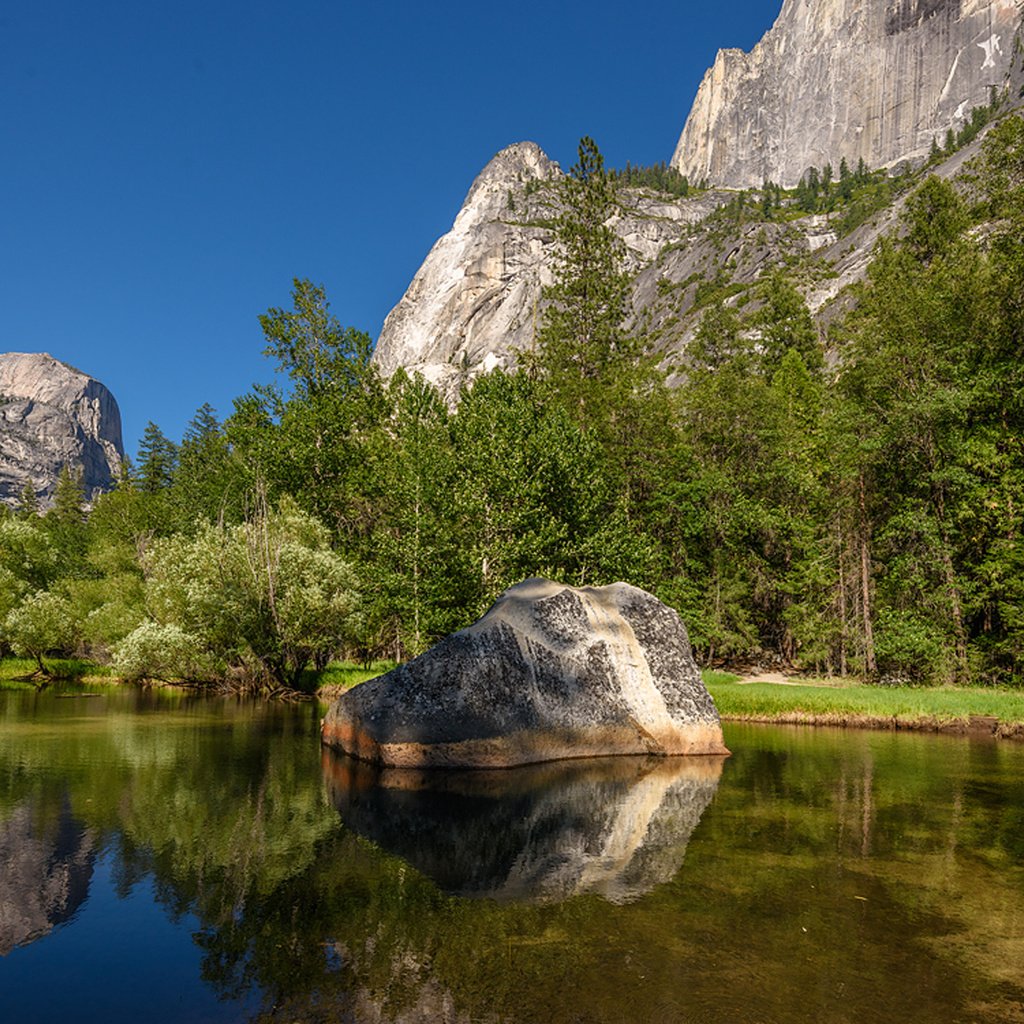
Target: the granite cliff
(876, 80)
(476, 300)
(52, 415)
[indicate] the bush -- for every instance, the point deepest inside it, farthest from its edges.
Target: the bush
(41, 624)
(155, 651)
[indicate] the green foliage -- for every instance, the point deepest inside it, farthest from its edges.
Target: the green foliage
(157, 459)
(935, 218)
(658, 176)
(582, 337)
(268, 596)
(861, 515)
(41, 623)
(165, 652)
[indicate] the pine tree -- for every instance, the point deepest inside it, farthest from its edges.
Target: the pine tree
(582, 337)
(28, 503)
(68, 498)
(157, 460)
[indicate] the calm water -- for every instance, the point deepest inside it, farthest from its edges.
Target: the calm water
(166, 858)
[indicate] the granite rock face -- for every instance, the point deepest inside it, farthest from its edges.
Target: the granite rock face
(876, 80)
(52, 415)
(477, 299)
(616, 827)
(550, 672)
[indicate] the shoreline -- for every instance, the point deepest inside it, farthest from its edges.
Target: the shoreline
(980, 726)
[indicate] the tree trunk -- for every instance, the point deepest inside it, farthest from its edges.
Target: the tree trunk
(870, 665)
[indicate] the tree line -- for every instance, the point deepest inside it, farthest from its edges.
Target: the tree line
(848, 502)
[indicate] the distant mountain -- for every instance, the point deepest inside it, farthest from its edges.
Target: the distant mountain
(52, 415)
(833, 80)
(876, 80)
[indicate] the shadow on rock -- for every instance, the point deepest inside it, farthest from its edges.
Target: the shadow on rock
(616, 826)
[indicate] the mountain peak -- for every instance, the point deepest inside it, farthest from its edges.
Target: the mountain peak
(876, 80)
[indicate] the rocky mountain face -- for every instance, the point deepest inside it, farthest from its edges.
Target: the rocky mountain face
(476, 300)
(46, 865)
(52, 415)
(876, 80)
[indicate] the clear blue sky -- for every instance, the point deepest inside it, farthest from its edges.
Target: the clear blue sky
(168, 168)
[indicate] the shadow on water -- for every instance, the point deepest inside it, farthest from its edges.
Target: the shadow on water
(616, 827)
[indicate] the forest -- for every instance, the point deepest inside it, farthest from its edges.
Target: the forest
(844, 500)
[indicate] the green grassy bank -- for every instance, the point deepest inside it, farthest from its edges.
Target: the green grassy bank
(327, 683)
(845, 704)
(927, 709)
(22, 673)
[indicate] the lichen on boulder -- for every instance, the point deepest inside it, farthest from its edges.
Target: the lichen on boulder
(549, 672)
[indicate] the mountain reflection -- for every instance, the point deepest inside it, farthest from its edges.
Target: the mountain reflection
(46, 862)
(616, 827)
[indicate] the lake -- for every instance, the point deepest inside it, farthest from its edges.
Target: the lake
(170, 857)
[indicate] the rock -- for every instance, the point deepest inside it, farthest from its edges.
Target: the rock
(481, 280)
(549, 672)
(477, 299)
(876, 80)
(52, 415)
(616, 827)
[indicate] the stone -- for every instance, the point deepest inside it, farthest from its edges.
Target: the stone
(549, 672)
(876, 80)
(51, 416)
(615, 827)
(477, 300)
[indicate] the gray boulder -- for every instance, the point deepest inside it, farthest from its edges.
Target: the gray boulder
(549, 672)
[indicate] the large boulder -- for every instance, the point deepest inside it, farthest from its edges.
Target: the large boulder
(549, 672)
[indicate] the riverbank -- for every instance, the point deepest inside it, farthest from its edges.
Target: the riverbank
(771, 698)
(325, 684)
(790, 701)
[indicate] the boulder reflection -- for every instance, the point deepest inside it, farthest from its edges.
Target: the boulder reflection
(46, 863)
(616, 827)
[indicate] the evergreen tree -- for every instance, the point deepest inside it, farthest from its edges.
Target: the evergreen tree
(785, 324)
(582, 338)
(28, 503)
(157, 459)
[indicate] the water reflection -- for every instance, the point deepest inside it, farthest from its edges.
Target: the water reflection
(616, 827)
(839, 877)
(46, 864)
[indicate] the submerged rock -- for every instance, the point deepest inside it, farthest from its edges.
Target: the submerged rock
(549, 672)
(616, 827)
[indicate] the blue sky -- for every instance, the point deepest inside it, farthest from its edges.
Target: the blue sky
(168, 168)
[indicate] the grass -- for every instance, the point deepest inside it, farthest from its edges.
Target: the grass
(903, 707)
(340, 676)
(714, 677)
(22, 673)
